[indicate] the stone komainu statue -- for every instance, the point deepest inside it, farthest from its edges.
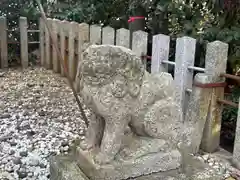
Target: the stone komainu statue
(122, 95)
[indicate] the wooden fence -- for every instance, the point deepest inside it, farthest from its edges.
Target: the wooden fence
(23, 29)
(200, 97)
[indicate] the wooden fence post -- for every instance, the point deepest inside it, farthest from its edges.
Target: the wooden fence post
(236, 150)
(216, 63)
(95, 34)
(73, 28)
(83, 38)
(63, 32)
(160, 53)
(123, 37)
(56, 65)
(108, 35)
(183, 78)
(3, 43)
(42, 41)
(48, 45)
(139, 44)
(24, 41)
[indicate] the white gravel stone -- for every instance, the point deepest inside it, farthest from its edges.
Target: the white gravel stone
(38, 117)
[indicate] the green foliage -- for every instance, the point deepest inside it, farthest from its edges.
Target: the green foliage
(12, 10)
(205, 20)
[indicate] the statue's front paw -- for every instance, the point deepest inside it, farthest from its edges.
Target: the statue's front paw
(86, 146)
(102, 159)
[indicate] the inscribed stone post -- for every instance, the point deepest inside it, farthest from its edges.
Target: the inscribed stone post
(123, 37)
(24, 41)
(160, 53)
(108, 35)
(83, 38)
(42, 41)
(216, 63)
(47, 45)
(197, 111)
(139, 44)
(185, 55)
(95, 34)
(236, 150)
(3, 43)
(71, 50)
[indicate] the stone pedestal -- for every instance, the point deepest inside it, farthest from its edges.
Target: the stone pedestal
(140, 158)
(66, 168)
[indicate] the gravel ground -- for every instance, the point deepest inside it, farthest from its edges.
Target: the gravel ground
(39, 117)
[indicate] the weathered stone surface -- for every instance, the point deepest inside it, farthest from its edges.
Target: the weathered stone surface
(138, 156)
(115, 85)
(196, 170)
(124, 96)
(197, 112)
(236, 151)
(64, 168)
(123, 37)
(185, 55)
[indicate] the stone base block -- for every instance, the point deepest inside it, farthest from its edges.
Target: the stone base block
(152, 163)
(66, 168)
(138, 156)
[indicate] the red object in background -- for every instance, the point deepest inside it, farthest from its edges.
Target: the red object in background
(133, 18)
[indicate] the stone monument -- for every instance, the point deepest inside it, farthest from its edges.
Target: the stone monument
(136, 128)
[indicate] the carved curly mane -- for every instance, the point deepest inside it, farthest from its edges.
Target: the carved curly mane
(103, 63)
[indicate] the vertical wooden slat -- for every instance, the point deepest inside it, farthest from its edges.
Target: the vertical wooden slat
(59, 46)
(54, 52)
(123, 37)
(83, 35)
(108, 35)
(42, 41)
(24, 41)
(183, 78)
(216, 63)
(63, 32)
(95, 34)
(47, 45)
(71, 49)
(139, 44)
(160, 53)
(3, 43)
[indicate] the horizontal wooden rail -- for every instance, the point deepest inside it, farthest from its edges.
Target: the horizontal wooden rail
(34, 42)
(34, 31)
(226, 102)
(15, 30)
(230, 76)
(13, 42)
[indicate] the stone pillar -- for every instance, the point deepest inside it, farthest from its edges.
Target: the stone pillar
(160, 53)
(236, 150)
(24, 41)
(123, 37)
(185, 56)
(197, 112)
(216, 63)
(3, 43)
